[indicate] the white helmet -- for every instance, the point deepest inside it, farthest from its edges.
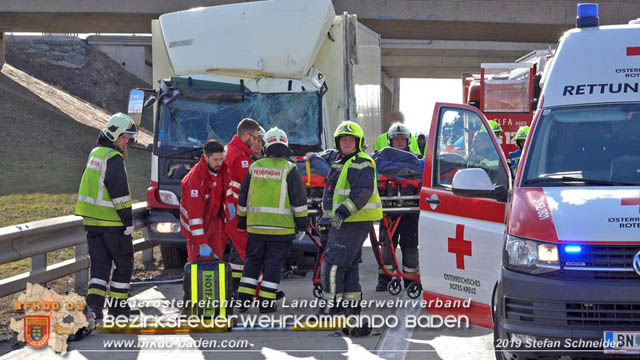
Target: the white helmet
(119, 124)
(275, 136)
(398, 129)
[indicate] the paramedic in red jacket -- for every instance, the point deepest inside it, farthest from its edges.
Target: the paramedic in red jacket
(237, 157)
(202, 204)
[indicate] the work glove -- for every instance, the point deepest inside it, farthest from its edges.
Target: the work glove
(336, 221)
(231, 209)
(300, 235)
(129, 230)
(205, 251)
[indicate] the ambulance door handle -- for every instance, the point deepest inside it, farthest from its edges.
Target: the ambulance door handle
(432, 201)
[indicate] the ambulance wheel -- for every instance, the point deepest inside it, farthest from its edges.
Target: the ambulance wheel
(317, 290)
(414, 290)
(394, 287)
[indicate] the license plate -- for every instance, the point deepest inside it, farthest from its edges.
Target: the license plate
(621, 342)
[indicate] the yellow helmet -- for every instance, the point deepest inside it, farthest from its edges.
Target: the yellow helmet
(348, 128)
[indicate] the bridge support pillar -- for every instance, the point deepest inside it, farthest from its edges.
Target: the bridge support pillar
(390, 98)
(1, 49)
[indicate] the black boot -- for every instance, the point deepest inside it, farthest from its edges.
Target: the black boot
(267, 308)
(121, 307)
(383, 281)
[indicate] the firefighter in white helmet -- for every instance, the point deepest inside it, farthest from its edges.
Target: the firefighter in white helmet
(272, 207)
(104, 202)
(407, 231)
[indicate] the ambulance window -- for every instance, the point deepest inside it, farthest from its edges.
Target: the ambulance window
(596, 144)
(464, 142)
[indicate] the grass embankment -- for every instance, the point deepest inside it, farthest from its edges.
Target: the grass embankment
(43, 152)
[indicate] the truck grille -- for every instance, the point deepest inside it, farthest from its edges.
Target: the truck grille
(599, 262)
(574, 314)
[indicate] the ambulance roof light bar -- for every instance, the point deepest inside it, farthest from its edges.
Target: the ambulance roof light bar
(587, 15)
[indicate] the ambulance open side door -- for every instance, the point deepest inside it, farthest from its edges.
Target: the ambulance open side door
(462, 214)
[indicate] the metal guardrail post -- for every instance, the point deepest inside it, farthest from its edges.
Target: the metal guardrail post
(81, 277)
(39, 264)
(147, 254)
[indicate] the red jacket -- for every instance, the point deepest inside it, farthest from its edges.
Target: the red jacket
(237, 158)
(202, 206)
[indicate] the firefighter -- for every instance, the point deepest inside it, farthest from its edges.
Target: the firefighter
(352, 204)
(383, 139)
(104, 202)
(407, 230)
(237, 157)
(272, 208)
(514, 156)
(497, 129)
(422, 145)
(202, 204)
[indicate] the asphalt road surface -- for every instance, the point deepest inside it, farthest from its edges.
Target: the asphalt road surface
(399, 342)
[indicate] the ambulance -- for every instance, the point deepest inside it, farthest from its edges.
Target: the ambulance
(551, 259)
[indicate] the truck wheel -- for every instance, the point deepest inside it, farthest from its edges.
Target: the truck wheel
(173, 257)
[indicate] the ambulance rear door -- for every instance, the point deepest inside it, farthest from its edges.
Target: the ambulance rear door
(462, 213)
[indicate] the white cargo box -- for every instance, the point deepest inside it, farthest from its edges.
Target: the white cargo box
(275, 38)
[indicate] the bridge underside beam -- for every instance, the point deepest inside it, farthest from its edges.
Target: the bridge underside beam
(68, 22)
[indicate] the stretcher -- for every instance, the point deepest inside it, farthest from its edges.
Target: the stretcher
(399, 197)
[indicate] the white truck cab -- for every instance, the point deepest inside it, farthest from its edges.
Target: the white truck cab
(550, 260)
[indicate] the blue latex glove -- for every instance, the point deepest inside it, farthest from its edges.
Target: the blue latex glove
(232, 211)
(205, 251)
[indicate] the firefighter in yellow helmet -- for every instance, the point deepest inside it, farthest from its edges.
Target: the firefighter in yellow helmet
(272, 207)
(350, 204)
(104, 202)
(514, 156)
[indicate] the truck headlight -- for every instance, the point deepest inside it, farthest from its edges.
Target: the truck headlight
(168, 197)
(530, 256)
(166, 227)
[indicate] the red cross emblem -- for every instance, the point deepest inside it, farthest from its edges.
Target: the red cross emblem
(631, 201)
(460, 246)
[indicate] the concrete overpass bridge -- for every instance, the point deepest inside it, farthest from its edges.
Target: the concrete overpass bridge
(420, 38)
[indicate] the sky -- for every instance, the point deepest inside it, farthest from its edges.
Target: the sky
(418, 96)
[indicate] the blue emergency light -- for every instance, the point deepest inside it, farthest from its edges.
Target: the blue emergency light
(587, 15)
(573, 249)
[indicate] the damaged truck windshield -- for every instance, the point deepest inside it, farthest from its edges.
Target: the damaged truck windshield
(189, 121)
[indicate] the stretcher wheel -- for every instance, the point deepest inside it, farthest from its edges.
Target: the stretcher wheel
(414, 290)
(288, 274)
(394, 287)
(317, 290)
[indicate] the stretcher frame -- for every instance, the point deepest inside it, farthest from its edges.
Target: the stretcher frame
(414, 290)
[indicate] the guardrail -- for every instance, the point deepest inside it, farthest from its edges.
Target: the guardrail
(35, 239)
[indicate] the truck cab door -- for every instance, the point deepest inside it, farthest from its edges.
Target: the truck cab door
(461, 237)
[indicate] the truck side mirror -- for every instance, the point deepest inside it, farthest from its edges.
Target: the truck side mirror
(475, 182)
(136, 100)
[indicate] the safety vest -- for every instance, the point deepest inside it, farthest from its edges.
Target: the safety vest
(94, 202)
(514, 159)
(269, 210)
(372, 211)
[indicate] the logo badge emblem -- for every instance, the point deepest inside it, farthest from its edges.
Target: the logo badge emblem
(36, 330)
(636, 262)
